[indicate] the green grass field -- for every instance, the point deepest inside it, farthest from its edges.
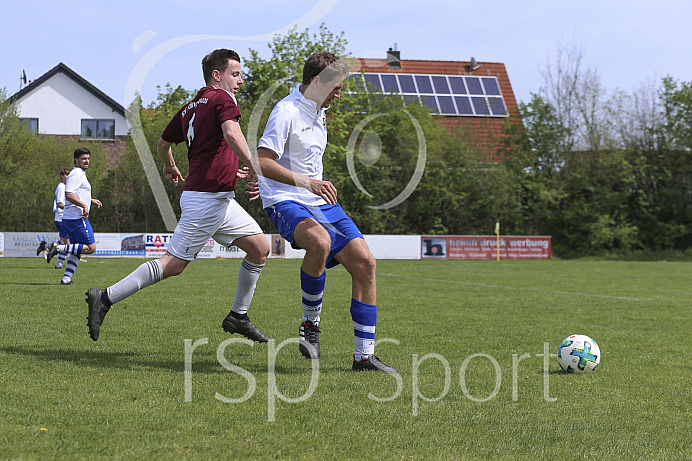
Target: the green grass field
(63, 396)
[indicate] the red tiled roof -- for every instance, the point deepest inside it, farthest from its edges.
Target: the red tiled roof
(486, 132)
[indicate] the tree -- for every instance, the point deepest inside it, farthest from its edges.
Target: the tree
(29, 168)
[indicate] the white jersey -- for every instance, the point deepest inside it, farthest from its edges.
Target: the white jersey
(59, 198)
(297, 133)
(78, 184)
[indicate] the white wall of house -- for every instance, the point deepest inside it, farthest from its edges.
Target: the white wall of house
(60, 104)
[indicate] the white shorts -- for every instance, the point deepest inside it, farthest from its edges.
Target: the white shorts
(206, 215)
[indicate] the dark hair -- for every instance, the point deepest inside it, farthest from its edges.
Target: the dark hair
(326, 65)
(64, 171)
(217, 60)
(81, 151)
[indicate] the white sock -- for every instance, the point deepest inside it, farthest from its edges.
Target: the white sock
(248, 274)
(146, 274)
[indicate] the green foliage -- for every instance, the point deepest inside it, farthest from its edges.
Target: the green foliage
(285, 66)
(29, 168)
(626, 190)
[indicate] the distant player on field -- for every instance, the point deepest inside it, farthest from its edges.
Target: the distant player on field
(58, 209)
(75, 218)
(209, 126)
(305, 211)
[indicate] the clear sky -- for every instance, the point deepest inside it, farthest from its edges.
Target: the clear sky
(126, 46)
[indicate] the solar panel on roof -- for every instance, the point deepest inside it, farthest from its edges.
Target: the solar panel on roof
(406, 83)
(389, 83)
(374, 80)
(497, 106)
(464, 105)
(457, 84)
(491, 87)
(480, 106)
(440, 82)
(423, 82)
(464, 95)
(446, 105)
(430, 102)
(474, 85)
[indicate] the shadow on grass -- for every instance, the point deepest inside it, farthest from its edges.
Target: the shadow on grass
(134, 361)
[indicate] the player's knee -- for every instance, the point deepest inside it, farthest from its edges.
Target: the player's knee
(367, 265)
(259, 254)
(320, 245)
(173, 271)
(89, 249)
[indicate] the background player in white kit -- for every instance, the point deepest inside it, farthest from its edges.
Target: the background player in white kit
(209, 126)
(58, 208)
(305, 211)
(75, 218)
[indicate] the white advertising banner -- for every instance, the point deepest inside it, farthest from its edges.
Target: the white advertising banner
(24, 244)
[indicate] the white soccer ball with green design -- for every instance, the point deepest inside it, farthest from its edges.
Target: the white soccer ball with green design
(578, 354)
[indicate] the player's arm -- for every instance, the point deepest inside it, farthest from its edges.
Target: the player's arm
(164, 149)
(270, 168)
(60, 196)
(236, 140)
(73, 199)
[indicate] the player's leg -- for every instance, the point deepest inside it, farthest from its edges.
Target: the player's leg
(149, 273)
(316, 240)
(297, 224)
(361, 264)
(241, 230)
(188, 239)
(64, 240)
(80, 232)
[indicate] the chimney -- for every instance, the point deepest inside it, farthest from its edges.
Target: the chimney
(394, 58)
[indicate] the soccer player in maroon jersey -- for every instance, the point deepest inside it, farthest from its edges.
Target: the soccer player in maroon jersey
(209, 126)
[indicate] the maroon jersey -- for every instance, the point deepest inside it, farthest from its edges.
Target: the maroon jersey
(213, 164)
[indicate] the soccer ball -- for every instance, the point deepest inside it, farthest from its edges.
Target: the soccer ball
(578, 354)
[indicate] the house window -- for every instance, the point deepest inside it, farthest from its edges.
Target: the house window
(32, 123)
(98, 129)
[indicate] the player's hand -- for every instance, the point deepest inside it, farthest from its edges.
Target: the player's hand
(85, 213)
(97, 203)
(173, 174)
(324, 189)
(245, 173)
(252, 187)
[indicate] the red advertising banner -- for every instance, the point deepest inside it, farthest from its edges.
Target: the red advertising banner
(485, 247)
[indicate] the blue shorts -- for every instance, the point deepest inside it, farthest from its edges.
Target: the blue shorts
(79, 231)
(288, 214)
(61, 231)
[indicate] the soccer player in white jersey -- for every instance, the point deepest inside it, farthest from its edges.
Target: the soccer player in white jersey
(209, 125)
(75, 218)
(58, 208)
(305, 211)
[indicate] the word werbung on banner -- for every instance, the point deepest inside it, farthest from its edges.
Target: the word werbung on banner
(485, 247)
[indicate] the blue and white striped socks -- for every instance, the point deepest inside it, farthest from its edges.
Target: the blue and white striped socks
(72, 249)
(312, 287)
(364, 320)
(72, 262)
(61, 260)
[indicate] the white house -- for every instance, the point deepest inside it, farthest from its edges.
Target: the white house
(62, 103)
